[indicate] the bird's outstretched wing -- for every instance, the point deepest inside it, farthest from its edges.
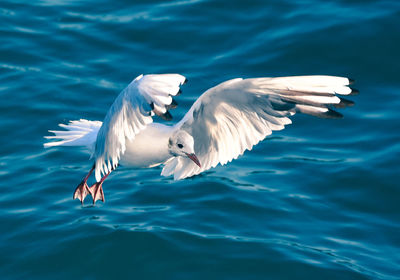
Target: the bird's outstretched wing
(130, 113)
(234, 116)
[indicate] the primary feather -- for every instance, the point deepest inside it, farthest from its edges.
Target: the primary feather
(235, 115)
(130, 113)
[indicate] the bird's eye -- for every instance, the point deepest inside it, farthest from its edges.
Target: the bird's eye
(180, 146)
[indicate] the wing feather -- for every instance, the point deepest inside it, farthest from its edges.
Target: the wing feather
(130, 113)
(237, 114)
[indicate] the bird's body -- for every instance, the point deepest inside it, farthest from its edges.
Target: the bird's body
(149, 148)
(224, 122)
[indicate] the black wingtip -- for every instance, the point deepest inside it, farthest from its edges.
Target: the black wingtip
(167, 116)
(173, 105)
(179, 92)
(351, 81)
(185, 81)
(331, 114)
(354, 91)
(343, 103)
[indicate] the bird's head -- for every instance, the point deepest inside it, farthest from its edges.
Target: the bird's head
(181, 143)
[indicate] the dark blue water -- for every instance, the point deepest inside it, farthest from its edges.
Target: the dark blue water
(318, 200)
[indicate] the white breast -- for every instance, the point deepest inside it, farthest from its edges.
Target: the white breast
(149, 148)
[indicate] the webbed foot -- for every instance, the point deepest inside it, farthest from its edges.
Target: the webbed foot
(96, 190)
(81, 191)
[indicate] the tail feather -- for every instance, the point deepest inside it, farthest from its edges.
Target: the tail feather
(78, 133)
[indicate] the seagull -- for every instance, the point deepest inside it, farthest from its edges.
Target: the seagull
(224, 122)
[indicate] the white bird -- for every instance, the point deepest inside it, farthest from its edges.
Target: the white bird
(224, 121)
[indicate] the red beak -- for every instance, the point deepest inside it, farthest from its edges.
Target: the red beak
(194, 158)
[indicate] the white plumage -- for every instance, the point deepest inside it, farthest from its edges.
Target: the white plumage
(225, 121)
(130, 113)
(77, 133)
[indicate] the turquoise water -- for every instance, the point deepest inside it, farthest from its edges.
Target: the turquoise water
(318, 200)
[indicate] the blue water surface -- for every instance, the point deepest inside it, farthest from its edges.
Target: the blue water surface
(318, 200)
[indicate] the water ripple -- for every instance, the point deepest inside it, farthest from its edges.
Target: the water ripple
(316, 200)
